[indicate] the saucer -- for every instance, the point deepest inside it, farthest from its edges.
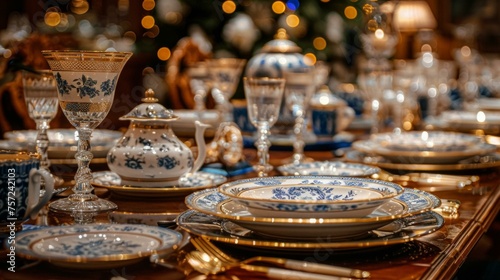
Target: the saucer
(196, 181)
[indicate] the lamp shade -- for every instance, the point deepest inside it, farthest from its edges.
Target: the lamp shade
(411, 16)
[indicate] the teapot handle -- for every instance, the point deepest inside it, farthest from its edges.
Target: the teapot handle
(347, 116)
(200, 142)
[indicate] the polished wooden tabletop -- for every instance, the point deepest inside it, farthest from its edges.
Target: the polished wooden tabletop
(435, 256)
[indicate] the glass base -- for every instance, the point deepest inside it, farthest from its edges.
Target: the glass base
(297, 159)
(83, 208)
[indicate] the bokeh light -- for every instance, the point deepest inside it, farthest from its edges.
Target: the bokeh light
(319, 43)
(52, 18)
(163, 53)
(278, 7)
(148, 5)
(350, 12)
(148, 22)
(229, 7)
(310, 59)
(292, 20)
(79, 7)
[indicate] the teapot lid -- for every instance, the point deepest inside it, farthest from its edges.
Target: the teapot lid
(150, 110)
(324, 98)
(281, 44)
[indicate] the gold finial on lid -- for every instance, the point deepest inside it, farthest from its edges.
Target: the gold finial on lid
(281, 34)
(150, 96)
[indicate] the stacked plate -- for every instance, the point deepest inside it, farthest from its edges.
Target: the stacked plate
(301, 210)
(425, 151)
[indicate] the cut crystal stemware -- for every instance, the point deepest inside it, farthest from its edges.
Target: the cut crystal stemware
(263, 97)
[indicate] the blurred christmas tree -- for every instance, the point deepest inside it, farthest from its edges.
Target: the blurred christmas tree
(324, 29)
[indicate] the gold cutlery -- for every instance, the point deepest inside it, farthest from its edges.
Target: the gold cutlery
(457, 181)
(208, 265)
(225, 261)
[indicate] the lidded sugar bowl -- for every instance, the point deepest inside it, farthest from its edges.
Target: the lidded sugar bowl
(149, 154)
(275, 58)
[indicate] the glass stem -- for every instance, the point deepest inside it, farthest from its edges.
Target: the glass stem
(298, 145)
(375, 110)
(42, 143)
(83, 156)
(262, 144)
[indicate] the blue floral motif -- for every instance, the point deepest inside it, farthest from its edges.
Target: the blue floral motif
(62, 85)
(168, 162)
(311, 193)
(85, 86)
(134, 163)
(111, 158)
(268, 182)
(144, 141)
(108, 86)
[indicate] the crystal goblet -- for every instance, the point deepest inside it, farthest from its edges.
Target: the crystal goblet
(200, 83)
(263, 97)
(225, 74)
(299, 89)
(86, 83)
(40, 94)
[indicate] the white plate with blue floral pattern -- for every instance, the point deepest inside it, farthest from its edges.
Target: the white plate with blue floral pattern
(330, 168)
(313, 199)
(410, 202)
(315, 194)
(423, 147)
(187, 184)
(95, 246)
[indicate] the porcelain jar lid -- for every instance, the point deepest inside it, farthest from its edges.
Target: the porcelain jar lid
(150, 110)
(281, 44)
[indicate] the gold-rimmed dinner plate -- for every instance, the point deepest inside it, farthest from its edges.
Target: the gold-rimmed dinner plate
(212, 202)
(473, 163)
(112, 181)
(96, 246)
(218, 229)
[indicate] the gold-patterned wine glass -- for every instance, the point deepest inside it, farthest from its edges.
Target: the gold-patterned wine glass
(86, 83)
(225, 74)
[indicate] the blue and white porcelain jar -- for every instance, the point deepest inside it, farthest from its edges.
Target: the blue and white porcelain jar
(276, 57)
(149, 154)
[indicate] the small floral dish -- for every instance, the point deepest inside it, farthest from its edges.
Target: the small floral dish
(351, 201)
(314, 194)
(331, 168)
(96, 246)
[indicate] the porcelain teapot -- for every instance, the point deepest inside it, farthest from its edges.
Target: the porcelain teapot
(149, 154)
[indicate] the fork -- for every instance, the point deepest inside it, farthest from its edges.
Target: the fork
(208, 247)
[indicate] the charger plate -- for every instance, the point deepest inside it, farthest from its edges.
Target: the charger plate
(198, 181)
(473, 163)
(399, 231)
(213, 203)
(95, 246)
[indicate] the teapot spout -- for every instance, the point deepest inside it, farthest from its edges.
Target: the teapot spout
(200, 142)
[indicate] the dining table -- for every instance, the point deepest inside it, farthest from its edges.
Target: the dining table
(468, 213)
